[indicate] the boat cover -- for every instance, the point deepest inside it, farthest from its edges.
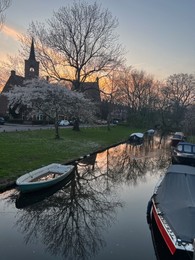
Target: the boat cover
(140, 135)
(175, 198)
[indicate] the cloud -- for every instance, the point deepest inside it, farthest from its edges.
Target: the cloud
(11, 32)
(9, 38)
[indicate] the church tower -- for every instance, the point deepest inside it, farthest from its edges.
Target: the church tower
(31, 65)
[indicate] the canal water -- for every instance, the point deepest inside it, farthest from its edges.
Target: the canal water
(98, 214)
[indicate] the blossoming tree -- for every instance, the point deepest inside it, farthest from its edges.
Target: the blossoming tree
(38, 96)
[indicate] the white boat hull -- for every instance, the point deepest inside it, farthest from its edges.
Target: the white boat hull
(27, 182)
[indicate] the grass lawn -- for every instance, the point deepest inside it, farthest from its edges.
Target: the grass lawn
(23, 151)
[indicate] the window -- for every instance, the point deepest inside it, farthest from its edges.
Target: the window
(179, 148)
(187, 148)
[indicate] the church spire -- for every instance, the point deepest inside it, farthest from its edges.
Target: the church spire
(32, 51)
(31, 65)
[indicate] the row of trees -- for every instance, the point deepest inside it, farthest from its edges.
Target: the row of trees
(153, 102)
(79, 43)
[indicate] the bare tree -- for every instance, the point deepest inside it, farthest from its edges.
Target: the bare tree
(4, 4)
(77, 42)
(180, 89)
(189, 121)
(177, 95)
(136, 90)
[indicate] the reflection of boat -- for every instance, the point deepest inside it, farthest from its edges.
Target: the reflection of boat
(184, 153)
(176, 138)
(43, 177)
(150, 132)
(89, 160)
(160, 247)
(26, 199)
(136, 138)
(173, 208)
(149, 137)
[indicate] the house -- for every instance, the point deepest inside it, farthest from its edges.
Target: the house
(90, 90)
(31, 71)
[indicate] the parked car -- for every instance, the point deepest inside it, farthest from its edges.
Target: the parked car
(2, 121)
(64, 123)
(115, 121)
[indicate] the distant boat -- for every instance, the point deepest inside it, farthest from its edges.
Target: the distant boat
(176, 138)
(172, 207)
(136, 138)
(184, 153)
(44, 177)
(150, 132)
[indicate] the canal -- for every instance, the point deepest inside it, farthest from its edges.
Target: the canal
(99, 213)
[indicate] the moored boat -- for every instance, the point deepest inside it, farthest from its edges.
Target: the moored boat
(172, 207)
(176, 138)
(161, 250)
(44, 177)
(24, 200)
(136, 138)
(184, 153)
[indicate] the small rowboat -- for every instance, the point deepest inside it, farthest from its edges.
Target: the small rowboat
(44, 177)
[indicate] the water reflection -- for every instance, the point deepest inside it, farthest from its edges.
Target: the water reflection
(71, 220)
(125, 163)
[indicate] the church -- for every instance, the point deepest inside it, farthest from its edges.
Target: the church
(31, 71)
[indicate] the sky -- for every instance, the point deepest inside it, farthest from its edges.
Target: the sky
(158, 35)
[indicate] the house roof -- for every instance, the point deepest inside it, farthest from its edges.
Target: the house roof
(91, 90)
(12, 81)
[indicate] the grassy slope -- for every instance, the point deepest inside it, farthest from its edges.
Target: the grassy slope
(21, 152)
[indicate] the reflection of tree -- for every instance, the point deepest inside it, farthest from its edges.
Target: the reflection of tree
(127, 163)
(71, 222)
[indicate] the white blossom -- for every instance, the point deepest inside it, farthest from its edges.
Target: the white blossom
(51, 100)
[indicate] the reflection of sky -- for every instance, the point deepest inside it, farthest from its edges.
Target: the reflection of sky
(136, 199)
(122, 237)
(158, 34)
(116, 215)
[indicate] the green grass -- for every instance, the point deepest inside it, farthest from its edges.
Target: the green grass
(21, 152)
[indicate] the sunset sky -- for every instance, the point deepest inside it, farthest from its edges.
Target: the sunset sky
(158, 35)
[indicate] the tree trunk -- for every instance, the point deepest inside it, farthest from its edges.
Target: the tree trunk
(57, 136)
(108, 118)
(76, 125)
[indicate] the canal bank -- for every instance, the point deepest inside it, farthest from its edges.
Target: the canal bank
(7, 184)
